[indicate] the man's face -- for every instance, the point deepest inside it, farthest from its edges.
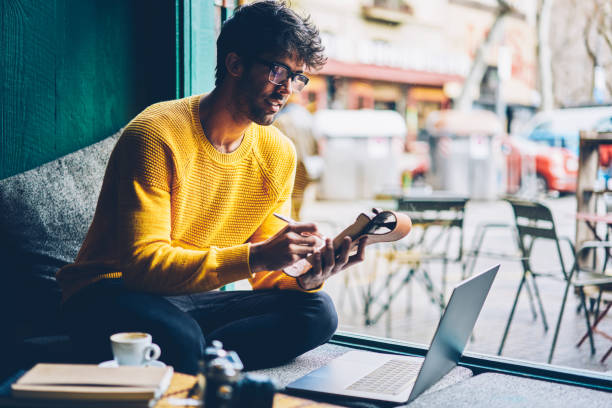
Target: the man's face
(259, 99)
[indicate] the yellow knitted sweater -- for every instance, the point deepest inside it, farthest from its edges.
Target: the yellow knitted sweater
(176, 216)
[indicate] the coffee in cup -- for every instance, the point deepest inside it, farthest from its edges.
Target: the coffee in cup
(134, 348)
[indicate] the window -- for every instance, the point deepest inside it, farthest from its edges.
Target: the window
(424, 54)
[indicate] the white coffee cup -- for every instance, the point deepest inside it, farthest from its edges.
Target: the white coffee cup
(134, 348)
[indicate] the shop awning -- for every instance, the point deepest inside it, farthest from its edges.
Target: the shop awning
(390, 74)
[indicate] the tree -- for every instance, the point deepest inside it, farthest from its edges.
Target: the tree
(543, 53)
(580, 40)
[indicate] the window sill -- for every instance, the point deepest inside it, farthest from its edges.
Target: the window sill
(480, 363)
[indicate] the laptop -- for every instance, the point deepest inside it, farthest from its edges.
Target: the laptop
(400, 379)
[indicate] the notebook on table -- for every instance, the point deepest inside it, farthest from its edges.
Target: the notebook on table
(90, 385)
(400, 379)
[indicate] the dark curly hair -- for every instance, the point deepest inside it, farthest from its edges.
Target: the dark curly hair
(268, 26)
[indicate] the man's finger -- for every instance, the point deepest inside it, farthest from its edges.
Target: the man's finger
(301, 250)
(343, 256)
(360, 255)
(303, 227)
(317, 266)
(310, 240)
(328, 254)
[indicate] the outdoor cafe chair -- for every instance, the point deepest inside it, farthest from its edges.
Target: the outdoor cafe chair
(436, 236)
(401, 263)
(436, 220)
(583, 280)
(534, 221)
(476, 251)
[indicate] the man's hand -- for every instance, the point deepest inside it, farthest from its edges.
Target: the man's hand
(326, 264)
(289, 245)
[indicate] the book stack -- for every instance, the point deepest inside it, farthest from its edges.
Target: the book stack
(84, 385)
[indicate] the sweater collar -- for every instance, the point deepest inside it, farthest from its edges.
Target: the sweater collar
(223, 158)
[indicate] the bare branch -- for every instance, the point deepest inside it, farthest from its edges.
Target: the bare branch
(587, 44)
(606, 35)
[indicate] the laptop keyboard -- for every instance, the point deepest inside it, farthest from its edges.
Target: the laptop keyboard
(392, 378)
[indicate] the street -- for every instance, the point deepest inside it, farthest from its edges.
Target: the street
(414, 318)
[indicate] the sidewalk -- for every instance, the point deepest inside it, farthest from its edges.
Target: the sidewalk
(414, 318)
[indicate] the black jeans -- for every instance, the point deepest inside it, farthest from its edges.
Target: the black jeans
(265, 327)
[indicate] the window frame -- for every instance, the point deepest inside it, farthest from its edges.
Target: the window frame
(189, 67)
(482, 363)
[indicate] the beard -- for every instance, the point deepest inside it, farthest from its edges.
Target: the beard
(260, 116)
(251, 102)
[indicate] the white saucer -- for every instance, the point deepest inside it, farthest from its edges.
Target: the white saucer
(113, 363)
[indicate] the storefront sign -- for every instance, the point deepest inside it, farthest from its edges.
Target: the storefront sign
(385, 54)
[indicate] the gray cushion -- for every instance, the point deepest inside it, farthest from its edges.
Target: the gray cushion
(45, 214)
(502, 390)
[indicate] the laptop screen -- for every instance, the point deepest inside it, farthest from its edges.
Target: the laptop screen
(454, 329)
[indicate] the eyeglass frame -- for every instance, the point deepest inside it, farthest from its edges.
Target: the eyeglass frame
(291, 75)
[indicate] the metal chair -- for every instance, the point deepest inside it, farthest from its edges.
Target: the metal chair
(439, 217)
(403, 263)
(534, 221)
(581, 280)
(436, 218)
(471, 256)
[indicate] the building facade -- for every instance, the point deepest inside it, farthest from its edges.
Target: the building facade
(413, 56)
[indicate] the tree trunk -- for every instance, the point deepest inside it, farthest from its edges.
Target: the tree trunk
(544, 56)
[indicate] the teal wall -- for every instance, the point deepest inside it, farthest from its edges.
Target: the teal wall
(74, 71)
(200, 38)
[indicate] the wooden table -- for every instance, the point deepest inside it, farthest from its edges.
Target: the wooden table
(591, 220)
(586, 191)
(182, 383)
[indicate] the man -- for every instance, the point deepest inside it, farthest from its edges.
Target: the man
(187, 206)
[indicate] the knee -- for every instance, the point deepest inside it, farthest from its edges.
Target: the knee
(182, 345)
(316, 315)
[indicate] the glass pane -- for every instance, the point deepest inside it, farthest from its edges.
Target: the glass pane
(411, 109)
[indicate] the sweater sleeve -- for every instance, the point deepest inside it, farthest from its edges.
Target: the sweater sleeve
(274, 279)
(148, 259)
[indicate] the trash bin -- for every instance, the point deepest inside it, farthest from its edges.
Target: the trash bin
(361, 151)
(466, 152)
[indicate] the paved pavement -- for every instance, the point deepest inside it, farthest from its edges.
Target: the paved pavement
(414, 318)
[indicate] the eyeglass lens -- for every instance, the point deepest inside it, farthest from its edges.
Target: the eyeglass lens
(279, 74)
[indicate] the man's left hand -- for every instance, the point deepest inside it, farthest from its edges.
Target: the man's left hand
(325, 263)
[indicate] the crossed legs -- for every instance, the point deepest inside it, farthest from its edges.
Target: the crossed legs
(265, 328)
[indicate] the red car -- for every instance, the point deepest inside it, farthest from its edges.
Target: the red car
(550, 168)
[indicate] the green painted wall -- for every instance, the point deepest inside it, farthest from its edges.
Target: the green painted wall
(200, 46)
(74, 71)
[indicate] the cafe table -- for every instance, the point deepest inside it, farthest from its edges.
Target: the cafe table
(176, 396)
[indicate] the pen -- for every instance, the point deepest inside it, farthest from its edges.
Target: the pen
(286, 219)
(290, 221)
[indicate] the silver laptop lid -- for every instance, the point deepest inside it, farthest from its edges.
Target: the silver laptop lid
(454, 329)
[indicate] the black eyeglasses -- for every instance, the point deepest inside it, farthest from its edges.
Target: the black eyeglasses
(279, 73)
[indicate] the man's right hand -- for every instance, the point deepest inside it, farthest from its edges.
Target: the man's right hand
(289, 245)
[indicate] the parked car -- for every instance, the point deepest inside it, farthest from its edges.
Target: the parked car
(561, 127)
(558, 132)
(550, 169)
